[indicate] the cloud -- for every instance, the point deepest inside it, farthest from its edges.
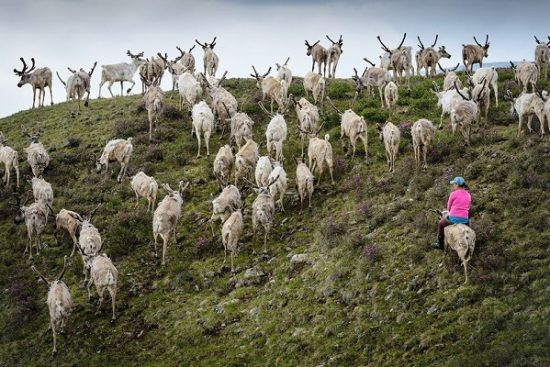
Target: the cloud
(63, 33)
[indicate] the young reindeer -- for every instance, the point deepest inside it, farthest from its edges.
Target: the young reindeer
(462, 239)
(232, 231)
(318, 55)
(275, 133)
(273, 88)
(78, 84)
(70, 222)
(37, 156)
(223, 163)
(122, 72)
(189, 89)
(42, 191)
(464, 113)
(474, 54)
(333, 56)
(116, 150)
(210, 59)
(427, 57)
(246, 159)
(315, 84)
(319, 151)
(146, 187)
(154, 103)
(60, 303)
(279, 184)
(35, 217)
(488, 74)
(10, 158)
(450, 77)
(263, 210)
(304, 182)
(203, 123)
(371, 77)
(38, 79)
(223, 103)
(542, 55)
(391, 136)
(166, 216)
(353, 126)
(89, 240)
(391, 95)
(227, 202)
(308, 118)
(241, 126)
(284, 73)
(422, 132)
(525, 73)
(104, 275)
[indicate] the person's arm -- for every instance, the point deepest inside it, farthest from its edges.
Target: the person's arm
(450, 201)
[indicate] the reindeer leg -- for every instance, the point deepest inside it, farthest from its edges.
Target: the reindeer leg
(112, 292)
(51, 97)
(52, 326)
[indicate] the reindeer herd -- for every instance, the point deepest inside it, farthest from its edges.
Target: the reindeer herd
(212, 107)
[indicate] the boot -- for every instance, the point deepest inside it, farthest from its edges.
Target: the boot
(439, 244)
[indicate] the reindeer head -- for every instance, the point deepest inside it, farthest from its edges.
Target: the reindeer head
(24, 73)
(207, 45)
(136, 59)
(279, 66)
(259, 78)
(310, 47)
(18, 209)
(340, 43)
(443, 53)
(485, 47)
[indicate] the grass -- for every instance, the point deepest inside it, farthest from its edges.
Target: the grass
(373, 294)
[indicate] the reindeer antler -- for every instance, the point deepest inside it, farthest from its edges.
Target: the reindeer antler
(435, 41)
(421, 45)
(93, 68)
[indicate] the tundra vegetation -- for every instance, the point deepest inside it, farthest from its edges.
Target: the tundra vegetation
(369, 292)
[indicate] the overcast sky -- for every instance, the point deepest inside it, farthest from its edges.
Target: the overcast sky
(75, 33)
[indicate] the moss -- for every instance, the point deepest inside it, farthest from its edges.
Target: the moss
(373, 293)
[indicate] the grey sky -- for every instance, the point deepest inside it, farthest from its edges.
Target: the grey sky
(63, 33)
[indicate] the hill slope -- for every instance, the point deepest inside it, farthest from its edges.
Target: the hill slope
(372, 294)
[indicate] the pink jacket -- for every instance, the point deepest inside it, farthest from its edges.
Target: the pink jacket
(459, 203)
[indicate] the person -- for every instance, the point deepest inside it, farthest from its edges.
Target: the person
(458, 206)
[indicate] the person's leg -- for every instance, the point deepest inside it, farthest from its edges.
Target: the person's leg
(441, 233)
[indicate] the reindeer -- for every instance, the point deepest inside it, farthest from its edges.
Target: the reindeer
(122, 72)
(465, 112)
(38, 79)
(78, 84)
(450, 77)
(263, 209)
(37, 156)
(400, 60)
(10, 158)
(35, 217)
(274, 88)
(318, 55)
(474, 54)
(284, 73)
(187, 60)
(210, 59)
(427, 57)
(542, 55)
(372, 77)
(333, 55)
(60, 303)
(353, 126)
(116, 150)
(525, 73)
(166, 216)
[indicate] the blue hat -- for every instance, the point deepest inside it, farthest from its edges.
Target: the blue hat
(458, 180)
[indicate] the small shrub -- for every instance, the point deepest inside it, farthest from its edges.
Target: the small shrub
(334, 229)
(339, 90)
(375, 115)
(171, 113)
(353, 183)
(154, 154)
(370, 253)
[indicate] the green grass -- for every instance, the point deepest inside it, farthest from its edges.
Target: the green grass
(375, 295)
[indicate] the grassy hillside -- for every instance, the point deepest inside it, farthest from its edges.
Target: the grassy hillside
(372, 292)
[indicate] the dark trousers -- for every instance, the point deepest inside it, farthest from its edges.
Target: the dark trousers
(444, 222)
